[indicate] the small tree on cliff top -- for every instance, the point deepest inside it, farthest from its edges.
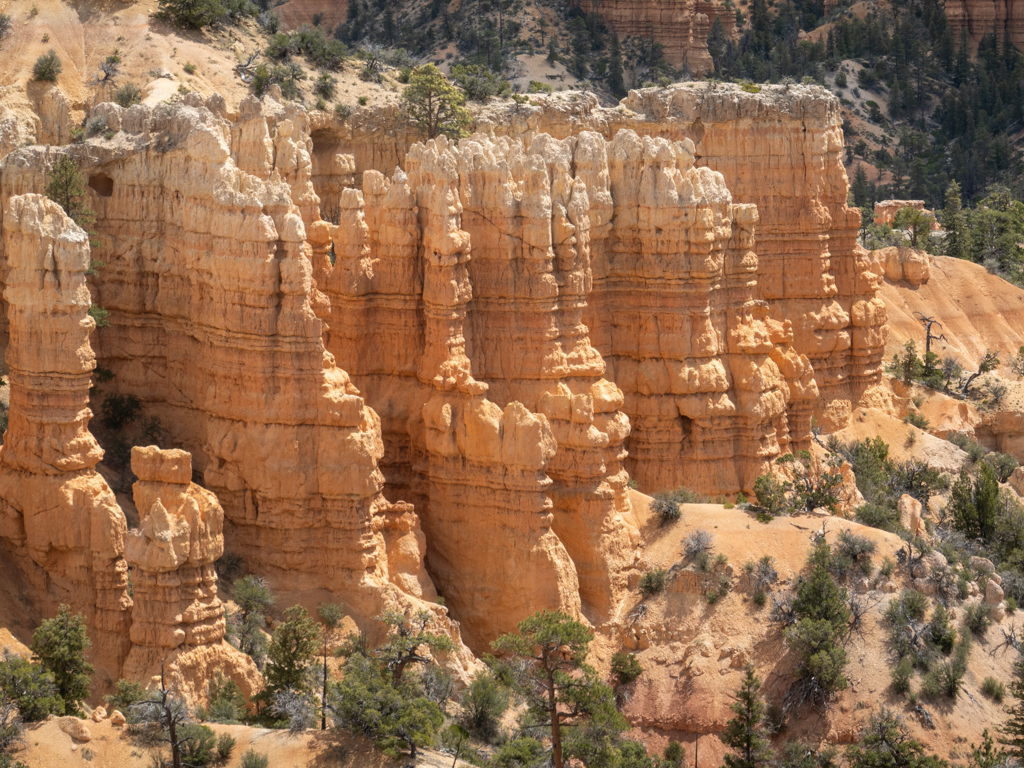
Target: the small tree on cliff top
(434, 104)
(66, 186)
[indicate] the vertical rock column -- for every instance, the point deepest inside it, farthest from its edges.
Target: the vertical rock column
(54, 506)
(673, 312)
(178, 618)
(489, 520)
(529, 224)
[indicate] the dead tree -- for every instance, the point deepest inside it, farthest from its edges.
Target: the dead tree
(928, 322)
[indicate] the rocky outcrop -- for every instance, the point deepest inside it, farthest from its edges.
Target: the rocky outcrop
(208, 282)
(983, 17)
(178, 621)
(681, 26)
(57, 514)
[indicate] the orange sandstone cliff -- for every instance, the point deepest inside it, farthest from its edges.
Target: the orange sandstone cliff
(442, 388)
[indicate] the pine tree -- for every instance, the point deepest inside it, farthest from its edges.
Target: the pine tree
(66, 186)
(860, 187)
(716, 44)
(616, 80)
(331, 615)
(292, 649)
(434, 104)
(561, 690)
(953, 222)
(60, 644)
(747, 732)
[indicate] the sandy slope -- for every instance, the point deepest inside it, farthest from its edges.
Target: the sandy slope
(978, 311)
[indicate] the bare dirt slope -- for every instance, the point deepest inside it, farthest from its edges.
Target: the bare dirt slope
(112, 747)
(978, 311)
(697, 650)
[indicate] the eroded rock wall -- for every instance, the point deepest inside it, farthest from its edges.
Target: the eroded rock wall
(213, 324)
(983, 17)
(58, 516)
(681, 26)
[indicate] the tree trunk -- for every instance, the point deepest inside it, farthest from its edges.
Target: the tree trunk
(323, 699)
(556, 727)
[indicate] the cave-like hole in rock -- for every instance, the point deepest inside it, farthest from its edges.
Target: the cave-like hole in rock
(103, 184)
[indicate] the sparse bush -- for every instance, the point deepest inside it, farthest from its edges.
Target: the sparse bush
(854, 546)
(538, 87)
(254, 759)
(363, 101)
(5, 25)
(189, 67)
(888, 567)
(653, 582)
(325, 86)
(126, 693)
(994, 689)
(225, 744)
(917, 419)
(881, 516)
(128, 95)
(902, 674)
(625, 667)
(698, 541)
(666, 508)
(941, 631)
(975, 451)
(978, 617)
(342, 111)
(47, 67)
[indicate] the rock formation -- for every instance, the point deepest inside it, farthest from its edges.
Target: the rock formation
(208, 282)
(58, 516)
(983, 17)
(679, 25)
(177, 618)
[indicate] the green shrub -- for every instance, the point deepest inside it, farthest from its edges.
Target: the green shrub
(254, 759)
(917, 419)
(771, 494)
(32, 688)
(479, 82)
(653, 582)
(994, 689)
(342, 111)
(625, 667)
(189, 67)
(902, 674)
(325, 86)
(538, 87)
(225, 745)
(126, 693)
(1011, 604)
(198, 745)
(47, 67)
(941, 630)
(120, 410)
(195, 14)
(854, 546)
(484, 703)
(888, 567)
(1003, 464)
(978, 617)
(760, 598)
(363, 101)
(128, 95)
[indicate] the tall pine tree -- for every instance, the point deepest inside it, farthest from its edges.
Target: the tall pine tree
(747, 733)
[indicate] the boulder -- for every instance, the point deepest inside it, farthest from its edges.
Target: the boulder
(75, 728)
(116, 718)
(910, 514)
(993, 593)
